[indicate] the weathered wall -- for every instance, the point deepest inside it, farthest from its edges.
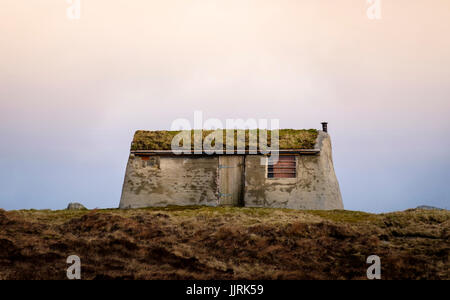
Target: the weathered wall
(316, 185)
(190, 180)
(162, 181)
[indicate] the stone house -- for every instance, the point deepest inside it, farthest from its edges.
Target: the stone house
(303, 177)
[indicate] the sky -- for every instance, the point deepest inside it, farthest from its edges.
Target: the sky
(73, 91)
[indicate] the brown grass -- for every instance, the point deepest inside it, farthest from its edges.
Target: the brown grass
(223, 243)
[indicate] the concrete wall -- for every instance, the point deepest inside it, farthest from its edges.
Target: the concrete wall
(316, 185)
(190, 180)
(164, 180)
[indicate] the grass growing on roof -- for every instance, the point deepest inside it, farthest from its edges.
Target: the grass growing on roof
(288, 139)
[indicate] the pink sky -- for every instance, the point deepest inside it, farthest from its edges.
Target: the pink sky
(73, 92)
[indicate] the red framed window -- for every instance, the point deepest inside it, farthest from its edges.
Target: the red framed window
(286, 167)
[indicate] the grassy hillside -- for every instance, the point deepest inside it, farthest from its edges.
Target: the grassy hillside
(223, 243)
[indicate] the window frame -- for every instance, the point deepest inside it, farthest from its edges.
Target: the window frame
(282, 178)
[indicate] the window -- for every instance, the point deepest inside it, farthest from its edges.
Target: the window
(148, 161)
(286, 167)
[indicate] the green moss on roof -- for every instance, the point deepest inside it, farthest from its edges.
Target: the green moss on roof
(162, 140)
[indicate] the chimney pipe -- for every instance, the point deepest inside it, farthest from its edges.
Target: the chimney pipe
(325, 126)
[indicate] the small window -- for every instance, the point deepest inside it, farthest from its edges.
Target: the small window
(148, 161)
(286, 167)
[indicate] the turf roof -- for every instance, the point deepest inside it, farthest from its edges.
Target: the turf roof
(162, 140)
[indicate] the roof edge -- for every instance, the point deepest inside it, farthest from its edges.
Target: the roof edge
(245, 152)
